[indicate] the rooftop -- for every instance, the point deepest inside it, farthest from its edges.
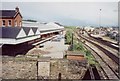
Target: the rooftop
(9, 13)
(43, 26)
(15, 35)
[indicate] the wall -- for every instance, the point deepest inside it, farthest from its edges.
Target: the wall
(74, 57)
(6, 22)
(18, 19)
(19, 69)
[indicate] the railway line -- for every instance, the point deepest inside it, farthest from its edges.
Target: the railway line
(108, 69)
(108, 53)
(106, 47)
(108, 43)
(104, 40)
(92, 74)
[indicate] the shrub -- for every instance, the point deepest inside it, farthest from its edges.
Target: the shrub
(88, 52)
(68, 37)
(78, 46)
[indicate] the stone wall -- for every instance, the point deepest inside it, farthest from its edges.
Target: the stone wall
(19, 70)
(52, 69)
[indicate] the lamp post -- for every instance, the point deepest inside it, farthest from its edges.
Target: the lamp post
(72, 42)
(100, 18)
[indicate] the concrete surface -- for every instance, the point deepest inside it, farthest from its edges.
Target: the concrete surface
(56, 49)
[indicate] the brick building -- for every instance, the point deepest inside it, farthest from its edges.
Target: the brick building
(10, 18)
(17, 36)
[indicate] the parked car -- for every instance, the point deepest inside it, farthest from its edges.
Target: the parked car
(41, 45)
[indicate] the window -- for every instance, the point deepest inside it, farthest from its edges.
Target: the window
(9, 22)
(15, 23)
(20, 24)
(3, 22)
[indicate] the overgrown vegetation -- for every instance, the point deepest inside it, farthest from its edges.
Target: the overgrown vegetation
(78, 46)
(68, 37)
(90, 58)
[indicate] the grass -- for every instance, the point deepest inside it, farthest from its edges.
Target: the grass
(78, 46)
(90, 58)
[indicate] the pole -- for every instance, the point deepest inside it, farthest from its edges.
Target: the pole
(100, 18)
(72, 41)
(37, 71)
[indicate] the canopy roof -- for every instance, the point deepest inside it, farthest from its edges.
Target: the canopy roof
(9, 35)
(44, 26)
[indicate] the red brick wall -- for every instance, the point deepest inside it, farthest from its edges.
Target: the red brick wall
(18, 19)
(73, 57)
(6, 22)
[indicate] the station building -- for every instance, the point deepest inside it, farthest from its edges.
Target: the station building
(10, 18)
(18, 37)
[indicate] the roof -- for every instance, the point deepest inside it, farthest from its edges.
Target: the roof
(26, 29)
(16, 35)
(58, 24)
(16, 32)
(30, 24)
(49, 26)
(9, 32)
(9, 14)
(34, 29)
(43, 27)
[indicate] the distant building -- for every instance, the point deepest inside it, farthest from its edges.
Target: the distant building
(10, 18)
(89, 28)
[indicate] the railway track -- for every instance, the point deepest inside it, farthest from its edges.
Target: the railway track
(92, 74)
(110, 55)
(100, 40)
(111, 50)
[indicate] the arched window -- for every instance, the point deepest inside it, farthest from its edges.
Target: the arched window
(3, 23)
(9, 23)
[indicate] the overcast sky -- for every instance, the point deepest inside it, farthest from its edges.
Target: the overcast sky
(66, 13)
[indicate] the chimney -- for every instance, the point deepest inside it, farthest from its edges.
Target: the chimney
(17, 9)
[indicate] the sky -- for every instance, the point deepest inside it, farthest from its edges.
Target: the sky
(69, 13)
